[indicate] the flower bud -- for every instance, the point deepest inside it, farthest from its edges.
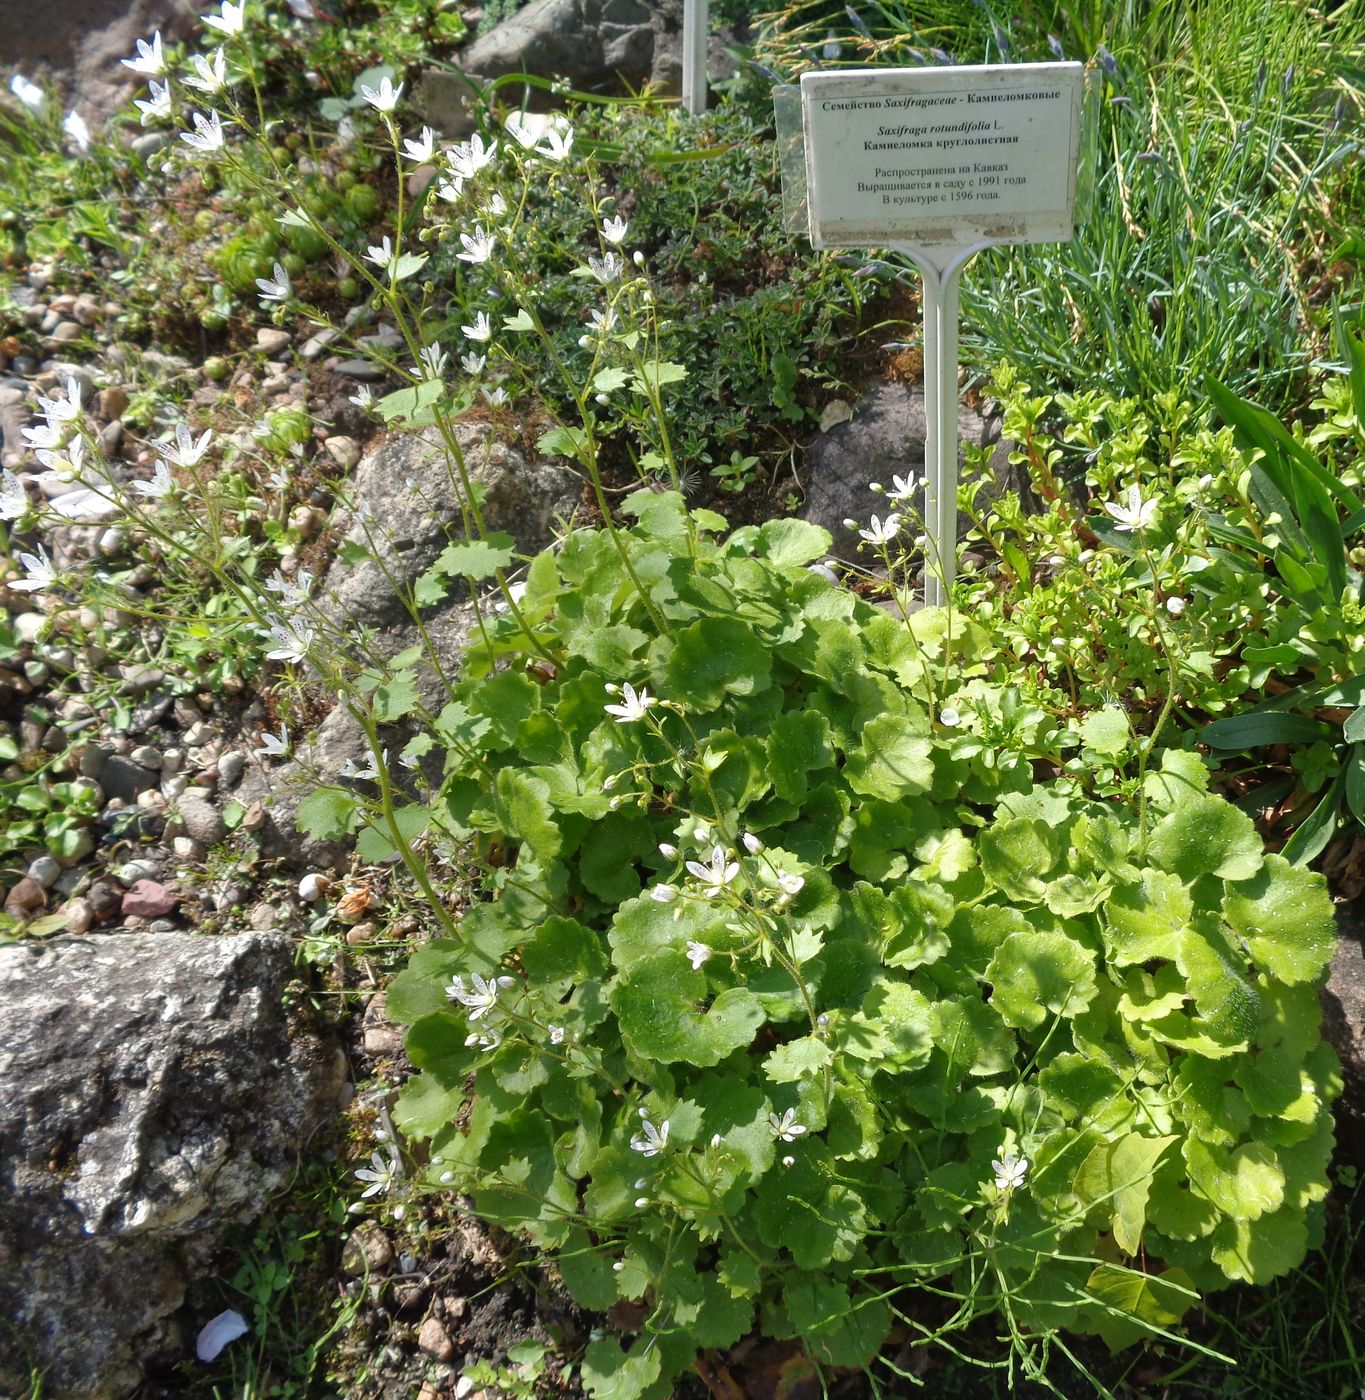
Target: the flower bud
(751, 843)
(667, 850)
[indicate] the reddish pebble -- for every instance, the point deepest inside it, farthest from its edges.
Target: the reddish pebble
(148, 900)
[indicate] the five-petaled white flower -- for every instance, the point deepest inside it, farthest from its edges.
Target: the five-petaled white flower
(76, 128)
(663, 894)
(29, 93)
(161, 484)
(557, 144)
(478, 246)
(66, 409)
(633, 704)
(291, 644)
(790, 884)
(1010, 1171)
(212, 72)
(717, 874)
(14, 500)
(902, 489)
(606, 268)
(385, 97)
(277, 287)
(484, 996)
(496, 397)
(697, 953)
(380, 1173)
(274, 745)
(650, 1140)
(207, 135)
(481, 330)
(882, 532)
(229, 20)
(472, 363)
(186, 452)
(525, 128)
(556, 1034)
(157, 108)
(420, 151)
(614, 230)
(363, 397)
(786, 1128)
(469, 157)
(381, 253)
(39, 572)
(1137, 514)
(291, 590)
(150, 61)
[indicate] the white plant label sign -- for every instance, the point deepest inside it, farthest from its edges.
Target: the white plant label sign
(942, 157)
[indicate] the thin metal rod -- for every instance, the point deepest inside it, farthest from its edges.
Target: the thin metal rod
(696, 23)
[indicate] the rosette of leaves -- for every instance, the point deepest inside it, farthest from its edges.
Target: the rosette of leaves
(923, 961)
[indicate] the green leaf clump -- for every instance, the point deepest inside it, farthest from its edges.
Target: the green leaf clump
(808, 1001)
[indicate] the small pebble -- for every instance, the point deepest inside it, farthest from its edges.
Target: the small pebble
(134, 870)
(45, 870)
(26, 898)
(147, 899)
(312, 887)
(80, 916)
(230, 767)
(147, 757)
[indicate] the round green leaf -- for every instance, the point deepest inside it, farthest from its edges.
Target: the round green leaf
(656, 1001)
(1207, 836)
(1285, 918)
(1039, 972)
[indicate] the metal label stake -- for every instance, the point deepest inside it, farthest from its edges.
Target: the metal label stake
(939, 164)
(696, 25)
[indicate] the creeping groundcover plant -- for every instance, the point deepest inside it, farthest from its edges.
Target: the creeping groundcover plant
(794, 1001)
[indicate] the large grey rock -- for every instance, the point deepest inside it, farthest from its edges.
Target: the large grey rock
(151, 1093)
(885, 438)
(406, 497)
(78, 45)
(589, 42)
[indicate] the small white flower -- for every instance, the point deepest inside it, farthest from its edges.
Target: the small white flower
(951, 716)
(482, 999)
(484, 1040)
(786, 1128)
(433, 360)
(380, 1173)
(882, 533)
(456, 988)
(902, 490)
(525, 128)
(68, 463)
(76, 128)
(363, 397)
(651, 1140)
(186, 452)
(14, 500)
(39, 572)
(161, 484)
(557, 144)
(717, 874)
(663, 894)
(1136, 514)
(277, 287)
(381, 254)
(65, 409)
(791, 885)
(157, 108)
(497, 397)
(481, 330)
(751, 843)
(556, 1034)
(420, 151)
(478, 246)
(607, 268)
(473, 364)
(633, 704)
(1175, 606)
(212, 72)
(469, 157)
(291, 590)
(150, 61)
(385, 97)
(291, 644)
(667, 850)
(207, 135)
(602, 322)
(230, 19)
(274, 745)
(614, 231)
(789, 1161)
(451, 189)
(1010, 1171)
(697, 953)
